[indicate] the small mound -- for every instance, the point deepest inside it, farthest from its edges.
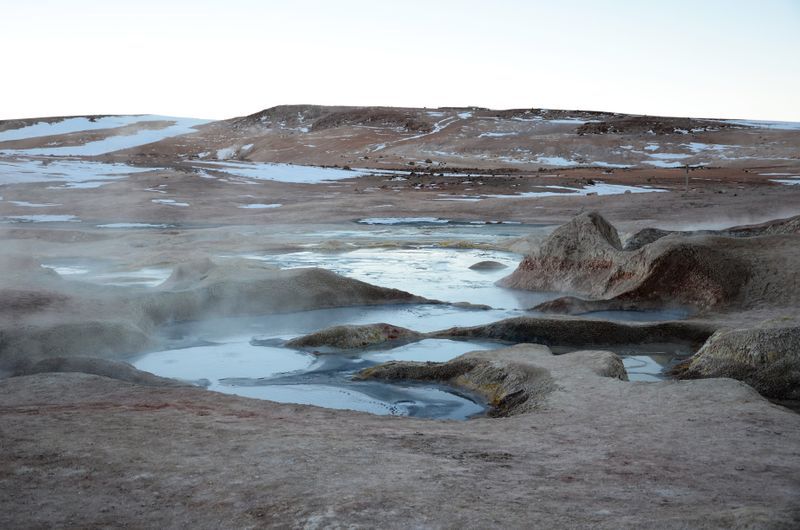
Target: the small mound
(408, 121)
(353, 337)
(627, 124)
(577, 257)
(645, 237)
(96, 366)
(581, 333)
(22, 345)
(789, 225)
(488, 266)
(766, 357)
(513, 380)
(239, 287)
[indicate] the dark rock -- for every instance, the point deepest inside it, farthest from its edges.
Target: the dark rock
(488, 266)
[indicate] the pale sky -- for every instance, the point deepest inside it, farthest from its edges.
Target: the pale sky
(207, 59)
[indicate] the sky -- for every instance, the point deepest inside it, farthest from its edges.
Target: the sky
(219, 59)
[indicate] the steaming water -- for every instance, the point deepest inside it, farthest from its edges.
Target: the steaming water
(476, 230)
(437, 273)
(248, 357)
(291, 376)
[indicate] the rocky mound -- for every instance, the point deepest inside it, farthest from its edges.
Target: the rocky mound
(488, 266)
(577, 257)
(698, 271)
(27, 343)
(513, 380)
(281, 116)
(550, 114)
(789, 225)
(353, 337)
(239, 287)
(96, 366)
(766, 357)
(646, 236)
(582, 333)
(627, 124)
(383, 117)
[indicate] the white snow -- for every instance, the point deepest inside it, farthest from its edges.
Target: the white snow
(697, 147)
(555, 161)
(652, 147)
(787, 182)
(247, 147)
(284, 172)
(66, 271)
(401, 220)
(599, 188)
(570, 121)
(75, 173)
(42, 218)
(33, 204)
(669, 156)
(71, 125)
(178, 126)
(259, 206)
(458, 198)
(226, 153)
(778, 175)
(778, 125)
(79, 185)
(496, 134)
(132, 225)
(169, 202)
(663, 164)
(465, 115)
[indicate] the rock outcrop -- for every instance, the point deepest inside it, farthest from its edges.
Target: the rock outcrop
(339, 338)
(703, 272)
(488, 266)
(766, 357)
(579, 256)
(582, 333)
(22, 345)
(96, 366)
(239, 287)
(789, 225)
(513, 380)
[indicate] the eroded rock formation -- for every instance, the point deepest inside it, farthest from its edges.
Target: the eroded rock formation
(766, 357)
(702, 272)
(512, 380)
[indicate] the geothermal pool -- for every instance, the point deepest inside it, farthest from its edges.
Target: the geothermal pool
(248, 356)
